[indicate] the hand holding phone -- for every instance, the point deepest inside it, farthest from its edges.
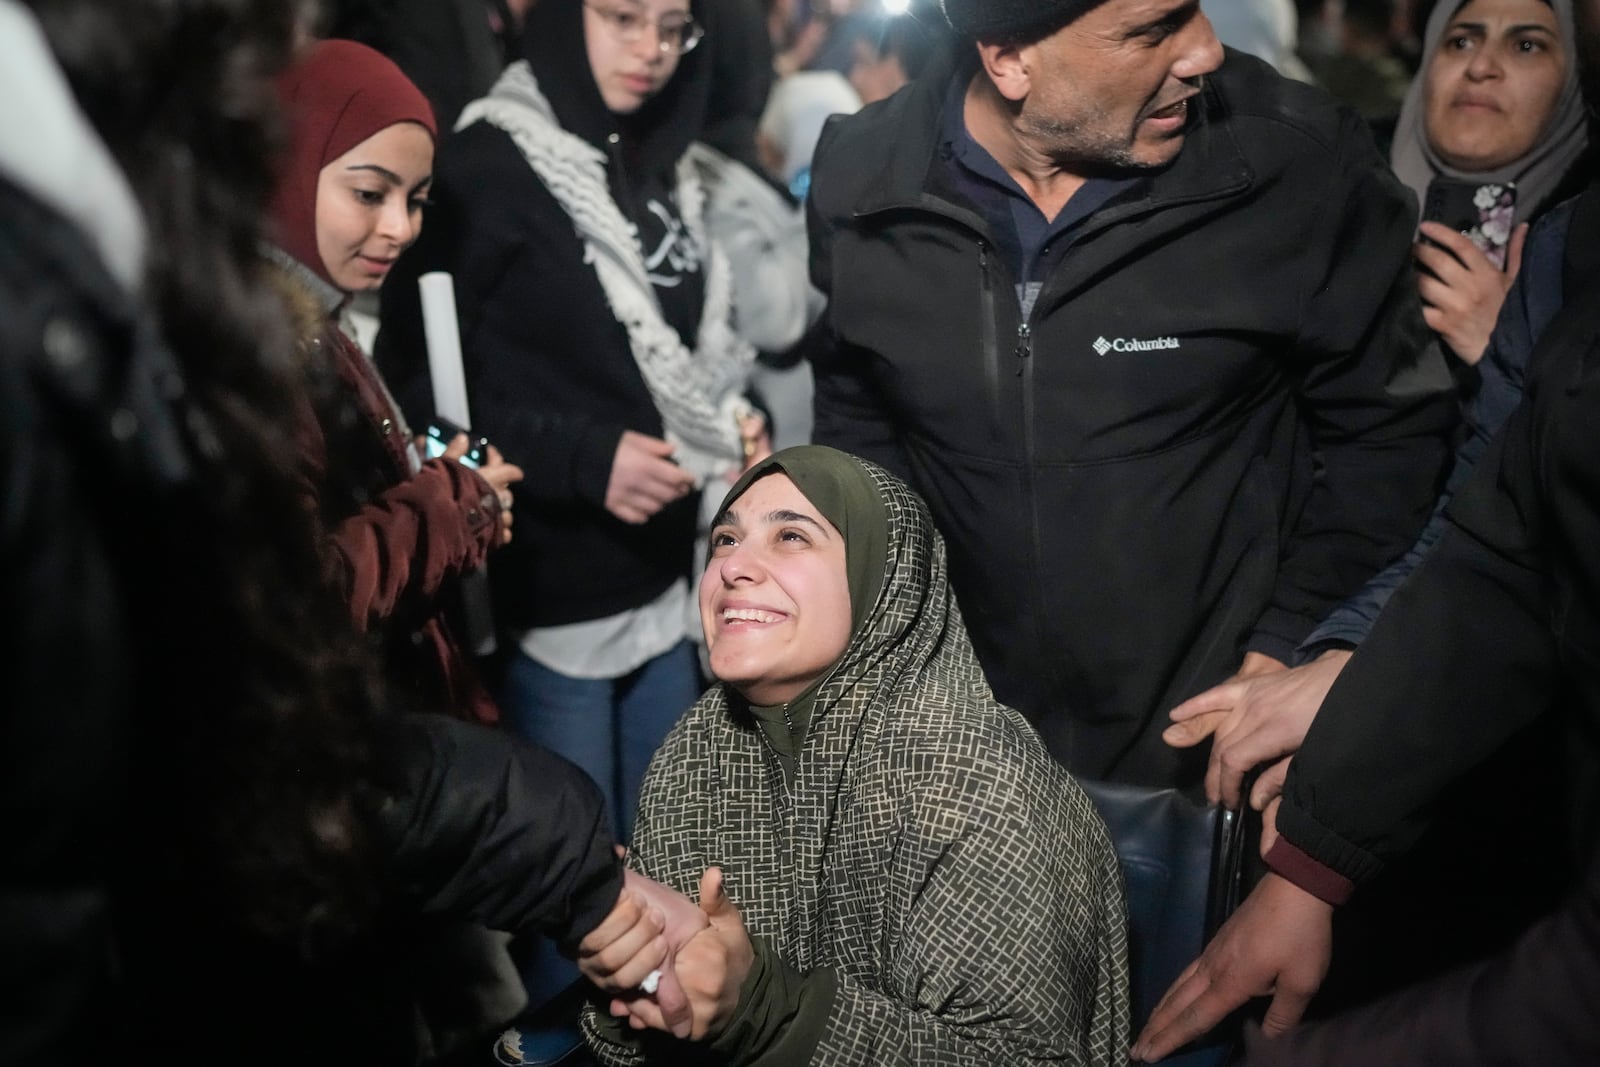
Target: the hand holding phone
(482, 457)
(1468, 253)
(441, 431)
(1482, 211)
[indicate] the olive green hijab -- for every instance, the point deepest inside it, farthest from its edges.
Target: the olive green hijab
(839, 487)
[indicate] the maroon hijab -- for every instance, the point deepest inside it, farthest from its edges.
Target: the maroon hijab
(338, 96)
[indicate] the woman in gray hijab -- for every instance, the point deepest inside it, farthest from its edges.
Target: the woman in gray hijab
(894, 870)
(1495, 103)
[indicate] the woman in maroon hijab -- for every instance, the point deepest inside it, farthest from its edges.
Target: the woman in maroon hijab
(348, 202)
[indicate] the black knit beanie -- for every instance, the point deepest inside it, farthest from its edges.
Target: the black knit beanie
(1011, 20)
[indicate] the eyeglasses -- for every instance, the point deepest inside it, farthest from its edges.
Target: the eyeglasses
(675, 34)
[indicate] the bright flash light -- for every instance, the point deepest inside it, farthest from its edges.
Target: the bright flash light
(896, 7)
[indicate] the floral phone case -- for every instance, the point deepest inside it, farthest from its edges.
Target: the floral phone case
(1481, 210)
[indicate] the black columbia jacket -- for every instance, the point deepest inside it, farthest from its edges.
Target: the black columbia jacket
(1223, 415)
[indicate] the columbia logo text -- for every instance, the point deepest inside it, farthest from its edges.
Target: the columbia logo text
(1133, 344)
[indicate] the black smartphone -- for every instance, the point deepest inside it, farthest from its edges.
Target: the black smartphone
(1483, 211)
(441, 431)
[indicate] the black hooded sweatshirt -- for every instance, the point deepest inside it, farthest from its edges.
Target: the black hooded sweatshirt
(551, 378)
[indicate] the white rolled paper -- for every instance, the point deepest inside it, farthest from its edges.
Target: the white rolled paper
(443, 334)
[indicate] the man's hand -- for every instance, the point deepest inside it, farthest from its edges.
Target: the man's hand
(641, 937)
(1277, 944)
(712, 967)
(1461, 290)
(1255, 720)
(628, 944)
(643, 478)
(1255, 663)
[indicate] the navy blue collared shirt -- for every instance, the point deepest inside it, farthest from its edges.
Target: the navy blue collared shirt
(1030, 242)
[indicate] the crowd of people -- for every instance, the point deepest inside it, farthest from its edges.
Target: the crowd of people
(885, 431)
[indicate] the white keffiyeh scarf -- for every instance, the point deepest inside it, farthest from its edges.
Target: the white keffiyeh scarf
(698, 391)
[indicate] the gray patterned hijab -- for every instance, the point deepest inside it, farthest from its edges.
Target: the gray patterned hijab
(1539, 173)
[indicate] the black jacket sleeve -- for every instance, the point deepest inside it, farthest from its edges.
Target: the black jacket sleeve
(1373, 391)
(1461, 658)
(486, 827)
(68, 664)
(81, 507)
(1532, 302)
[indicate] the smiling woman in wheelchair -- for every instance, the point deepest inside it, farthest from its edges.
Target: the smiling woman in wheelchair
(894, 869)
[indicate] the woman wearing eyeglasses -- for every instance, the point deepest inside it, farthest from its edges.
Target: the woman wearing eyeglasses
(599, 354)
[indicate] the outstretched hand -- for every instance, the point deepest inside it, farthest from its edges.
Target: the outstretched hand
(1277, 944)
(1254, 720)
(641, 938)
(712, 968)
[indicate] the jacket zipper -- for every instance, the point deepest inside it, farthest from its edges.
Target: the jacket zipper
(1025, 362)
(988, 333)
(1022, 354)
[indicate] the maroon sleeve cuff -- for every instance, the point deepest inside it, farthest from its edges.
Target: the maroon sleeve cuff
(1322, 882)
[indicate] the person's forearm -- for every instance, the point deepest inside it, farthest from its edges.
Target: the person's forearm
(1460, 659)
(1288, 861)
(1534, 1004)
(399, 550)
(496, 830)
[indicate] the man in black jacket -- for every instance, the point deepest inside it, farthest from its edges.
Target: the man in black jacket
(1136, 317)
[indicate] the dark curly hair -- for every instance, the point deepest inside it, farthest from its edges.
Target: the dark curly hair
(255, 695)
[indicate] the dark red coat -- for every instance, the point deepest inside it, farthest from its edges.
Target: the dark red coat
(398, 540)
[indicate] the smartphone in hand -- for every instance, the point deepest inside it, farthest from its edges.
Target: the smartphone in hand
(441, 431)
(1483, 211)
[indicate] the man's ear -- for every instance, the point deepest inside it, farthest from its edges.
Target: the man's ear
(1010, 68)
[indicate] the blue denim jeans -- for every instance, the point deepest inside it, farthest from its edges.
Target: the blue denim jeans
(608, 727)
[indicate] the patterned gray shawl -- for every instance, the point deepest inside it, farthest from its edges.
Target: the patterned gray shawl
(929, 850)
